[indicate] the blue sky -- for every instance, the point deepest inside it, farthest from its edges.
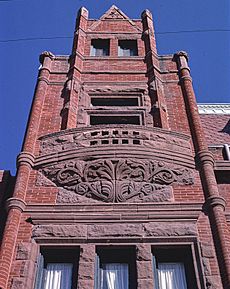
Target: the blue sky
(199, 27)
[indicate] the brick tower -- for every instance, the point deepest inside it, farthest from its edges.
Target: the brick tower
(116, 186)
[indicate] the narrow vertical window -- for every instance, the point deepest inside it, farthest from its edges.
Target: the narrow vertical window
(173, 268)
(115, 269)
(57, 269)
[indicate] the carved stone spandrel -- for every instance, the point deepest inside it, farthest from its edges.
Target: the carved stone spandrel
(69, 197)
(42, 181)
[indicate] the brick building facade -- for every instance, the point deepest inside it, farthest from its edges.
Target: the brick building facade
(116, 170)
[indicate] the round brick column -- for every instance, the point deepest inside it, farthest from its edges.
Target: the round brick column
(214, 203)
(16, 204)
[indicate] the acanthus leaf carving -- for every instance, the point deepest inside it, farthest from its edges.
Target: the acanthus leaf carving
(118, 180)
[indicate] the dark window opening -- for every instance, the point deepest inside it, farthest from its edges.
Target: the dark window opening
(127, 48)
(111, 119)
(125, 141)
(105, 142)
(114, 101)
(173, 267)
(115, 141)
(115, 268)
(135, 133)
(105, 133)
(57, 267)
(136, 141)
(94, 133)
(93, 143)
(99, 47)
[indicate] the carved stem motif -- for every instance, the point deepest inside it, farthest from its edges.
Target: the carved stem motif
(117, 180)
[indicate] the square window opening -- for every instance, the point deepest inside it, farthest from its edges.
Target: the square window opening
(99, 47)
(127, 48)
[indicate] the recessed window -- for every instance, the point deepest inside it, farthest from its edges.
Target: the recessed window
(115, 268)
(173, 268)
(114, 119)
(127, 48)
(99, 47)
(57, 268)
(97, 101)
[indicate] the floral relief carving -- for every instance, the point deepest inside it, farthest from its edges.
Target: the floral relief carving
(118, 180)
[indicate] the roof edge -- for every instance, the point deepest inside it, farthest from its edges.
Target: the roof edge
(214, 108)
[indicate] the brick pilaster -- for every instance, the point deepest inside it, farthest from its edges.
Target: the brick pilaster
(159, 111)
(72, 89)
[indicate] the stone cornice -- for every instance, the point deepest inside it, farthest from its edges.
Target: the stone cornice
(121, 213)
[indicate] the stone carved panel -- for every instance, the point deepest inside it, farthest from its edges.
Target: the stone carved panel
(69, 197)
(118, 180)
(152, 229)
(77, 139)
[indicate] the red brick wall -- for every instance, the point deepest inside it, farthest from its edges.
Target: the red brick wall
(109, 72)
